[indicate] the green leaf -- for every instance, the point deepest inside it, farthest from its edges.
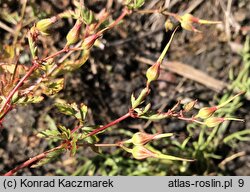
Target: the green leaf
(66, 133)
(49, 157)
(50, 122)
(154, 116)
(73, 110)
(67, 109)
(74, 146)
(243, 135)
(82, 112)
(92, 139)
(146, 108)
(72, 65)
(96, 149)
(135, 4)
(26, 99)
(140, 99)
(138, 3)
(53, 86)
(32, 45)
(83, 169)
(87, 16)
(132, 100)
(49, 134)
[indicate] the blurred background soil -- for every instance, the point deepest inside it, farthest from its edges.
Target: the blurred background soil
(106, 81)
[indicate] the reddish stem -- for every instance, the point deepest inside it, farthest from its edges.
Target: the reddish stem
(20, 83)
(31, 70)
(65, 49)
(31, 161)
(192, 119)
(96, 131)
(43, 155)
(124, 13)
(76, 128)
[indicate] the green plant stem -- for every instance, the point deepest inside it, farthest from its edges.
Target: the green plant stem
(31, 161)
(211, 136)
(160, 59)
(107, 145)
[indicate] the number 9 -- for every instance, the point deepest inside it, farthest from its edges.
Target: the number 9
(241, 182)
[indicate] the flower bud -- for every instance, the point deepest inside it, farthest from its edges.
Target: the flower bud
(186, 22)
(168, 25)
(44, 24)
(214, 121)
(153, 72)
(140, 152)
(89, 41)
(206, 112)
(189, 18)
(141, 138)
(189, 106)
(73, 35)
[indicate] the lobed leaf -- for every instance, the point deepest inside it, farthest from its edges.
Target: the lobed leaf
(67, 109)
(26, 99)
(49, 134)
(54, 86)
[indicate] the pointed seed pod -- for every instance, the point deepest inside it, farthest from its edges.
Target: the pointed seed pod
(141, 138)
(90, 41)
(214, 121)
(73, 35)
(153, 72)
(140, 152)
(206, 112)
(44, 24)
(189, 106)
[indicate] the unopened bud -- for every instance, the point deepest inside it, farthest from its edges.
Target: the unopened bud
(214, 121)
(206, 112)
(189, 18)
(73, 35)
(89, 41)
(15, 97)
(153, 72)
(189, 106)
(44, 24)
(141, 138)
(187, 21)
(140, 152)
(168, 25)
